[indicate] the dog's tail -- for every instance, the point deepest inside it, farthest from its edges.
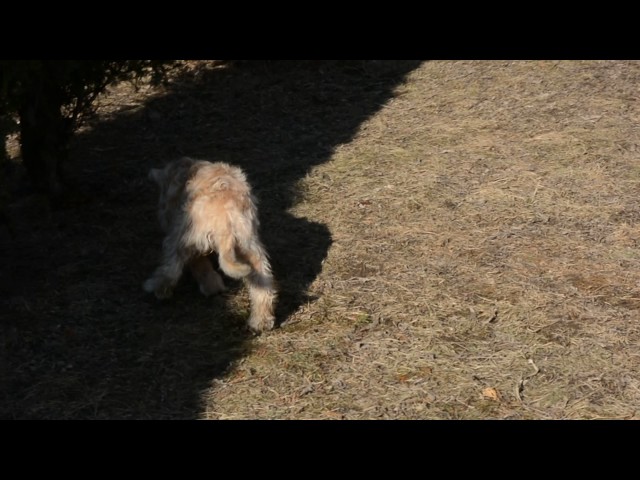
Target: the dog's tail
(228, 258)
(236, 244)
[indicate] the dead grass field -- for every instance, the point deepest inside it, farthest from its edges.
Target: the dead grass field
(453, 240)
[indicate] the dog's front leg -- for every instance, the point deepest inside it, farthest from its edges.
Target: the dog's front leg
(166, 276)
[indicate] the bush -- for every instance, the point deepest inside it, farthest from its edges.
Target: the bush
(49, 98)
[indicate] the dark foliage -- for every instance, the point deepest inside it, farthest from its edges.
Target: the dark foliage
(49, 99)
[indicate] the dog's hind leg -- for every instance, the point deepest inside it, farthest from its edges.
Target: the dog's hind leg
(262, 289)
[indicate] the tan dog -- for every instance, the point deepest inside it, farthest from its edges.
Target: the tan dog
(204, 208)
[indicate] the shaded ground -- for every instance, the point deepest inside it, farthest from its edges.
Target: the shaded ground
(453, 240)
(79, 337)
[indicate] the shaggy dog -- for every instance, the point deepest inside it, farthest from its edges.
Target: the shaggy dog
(208, 208)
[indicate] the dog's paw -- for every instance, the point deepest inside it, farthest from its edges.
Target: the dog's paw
(161, 292)
(261, 324)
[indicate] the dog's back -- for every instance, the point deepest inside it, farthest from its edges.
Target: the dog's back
(223, 214)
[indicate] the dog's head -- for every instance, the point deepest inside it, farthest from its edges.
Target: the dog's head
(171, 180)
(177, 170)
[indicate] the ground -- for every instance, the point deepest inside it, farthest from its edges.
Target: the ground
(452, 240)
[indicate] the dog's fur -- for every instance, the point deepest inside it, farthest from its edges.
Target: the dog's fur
(204, 208)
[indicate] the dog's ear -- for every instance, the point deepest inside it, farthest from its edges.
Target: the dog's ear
(157, 175)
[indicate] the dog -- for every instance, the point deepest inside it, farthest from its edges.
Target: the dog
(207, 208)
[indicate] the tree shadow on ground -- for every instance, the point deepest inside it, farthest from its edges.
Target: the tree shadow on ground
(80, 339)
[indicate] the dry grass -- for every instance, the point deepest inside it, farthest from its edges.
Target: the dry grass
(460, 242)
